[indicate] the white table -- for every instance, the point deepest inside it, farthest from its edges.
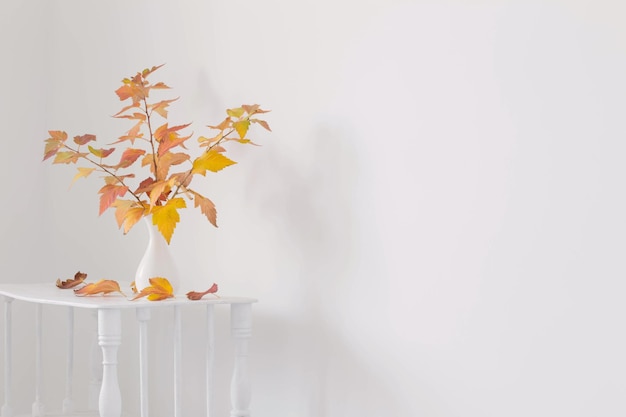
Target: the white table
(108, 310)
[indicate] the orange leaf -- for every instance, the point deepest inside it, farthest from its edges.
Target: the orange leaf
(169, 159)
(158, 188)
(166, 217)
(159, 289)
(57, 135)
(193, 295)
(250, 108)
(52, 147)
(78, 279)
(110, 193)
(104, 286)
(161, 106)
(129, 157)
(206, 207)
(262, 123)
(128, 213)
(225, 124)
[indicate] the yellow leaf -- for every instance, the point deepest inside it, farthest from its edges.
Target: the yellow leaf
(69, 157)
(212, 161)
(242, 127)
(237, 112)
(159, 289)
(83, 172)
(166, 217)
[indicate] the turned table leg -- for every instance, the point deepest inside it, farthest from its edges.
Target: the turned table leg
(241, 330)
(109, 339)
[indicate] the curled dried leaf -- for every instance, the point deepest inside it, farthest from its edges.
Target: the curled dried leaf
(159, 289)
(133, 287)
(194, 295)
(78, 279)
(104, 286)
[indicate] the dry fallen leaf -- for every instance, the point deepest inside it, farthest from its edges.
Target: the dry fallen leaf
(133, 287)
(78, 279)
(159, 289)
(193, 295)
(104, 286)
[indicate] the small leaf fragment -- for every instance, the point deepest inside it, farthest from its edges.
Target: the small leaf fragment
(82, 173)
(78, 279)
(194, 295)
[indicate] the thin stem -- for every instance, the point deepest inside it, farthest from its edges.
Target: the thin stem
(105, 169)
(154, 157)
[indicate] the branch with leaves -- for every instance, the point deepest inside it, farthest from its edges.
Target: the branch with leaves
(155, 146)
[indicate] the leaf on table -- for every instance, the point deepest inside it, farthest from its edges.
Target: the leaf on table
(159, 289)
(78, 279)
(104, 286)
(194, 295)
(133, 287)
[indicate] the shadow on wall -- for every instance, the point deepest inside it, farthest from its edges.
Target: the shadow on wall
(305, 361)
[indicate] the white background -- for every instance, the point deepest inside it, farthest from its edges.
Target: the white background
(435, 227)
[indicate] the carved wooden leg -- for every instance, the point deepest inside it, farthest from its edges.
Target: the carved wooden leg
(241, 330)
(7, 410)
(143, 316)
(37, 409)
(109, 339)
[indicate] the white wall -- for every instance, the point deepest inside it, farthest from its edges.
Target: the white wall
(435, 227)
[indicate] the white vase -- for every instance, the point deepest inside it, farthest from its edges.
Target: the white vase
(157, 261)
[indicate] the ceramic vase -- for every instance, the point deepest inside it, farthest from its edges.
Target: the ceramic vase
(157, 261)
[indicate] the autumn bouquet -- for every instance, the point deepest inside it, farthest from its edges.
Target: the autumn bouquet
(155, 146)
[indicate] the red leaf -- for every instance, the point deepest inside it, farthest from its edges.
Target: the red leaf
(193, 295)
(84, 139)
(78, 279)
(129, 157)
